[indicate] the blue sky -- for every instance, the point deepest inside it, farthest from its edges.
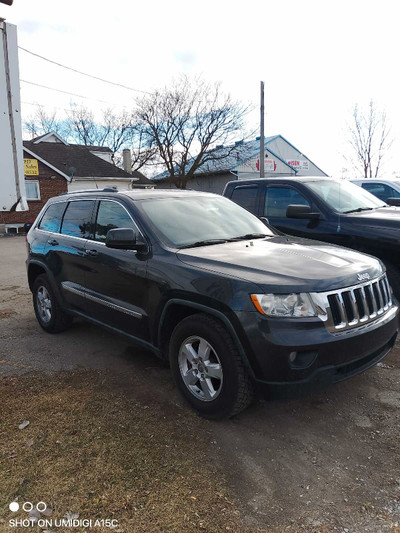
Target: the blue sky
(317, 59)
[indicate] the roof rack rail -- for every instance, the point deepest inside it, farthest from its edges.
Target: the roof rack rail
(80, 191)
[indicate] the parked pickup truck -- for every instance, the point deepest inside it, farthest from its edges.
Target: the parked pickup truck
(328, 210)
(234, 306)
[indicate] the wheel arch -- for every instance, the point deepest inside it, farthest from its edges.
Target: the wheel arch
(37, 268)
(177, 309)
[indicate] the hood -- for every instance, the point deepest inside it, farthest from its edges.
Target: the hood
(285, 264)
(388, 217)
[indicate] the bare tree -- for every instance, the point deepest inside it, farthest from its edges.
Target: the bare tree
(84, 129)
(79, 125)
(369, 137)
(181, 123)
(43, 121)
(114, 130)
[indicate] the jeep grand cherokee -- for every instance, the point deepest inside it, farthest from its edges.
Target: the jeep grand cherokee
(236, 307)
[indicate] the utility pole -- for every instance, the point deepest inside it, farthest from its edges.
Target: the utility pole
(262, 150)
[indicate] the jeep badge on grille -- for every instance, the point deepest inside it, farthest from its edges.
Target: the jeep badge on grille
(363, 277)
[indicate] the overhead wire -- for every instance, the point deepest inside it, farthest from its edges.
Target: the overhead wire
(65, 92)
(83, 73)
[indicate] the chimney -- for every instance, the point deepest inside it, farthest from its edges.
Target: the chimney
(127, 160)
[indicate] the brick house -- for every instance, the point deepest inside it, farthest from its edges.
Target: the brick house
(53, 166)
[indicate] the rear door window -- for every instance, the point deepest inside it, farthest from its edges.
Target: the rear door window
(277, 200)
(246, 196)
(77, 219)
(111, 215)
(51, 220)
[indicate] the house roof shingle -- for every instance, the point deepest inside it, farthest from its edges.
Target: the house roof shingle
(64, 157)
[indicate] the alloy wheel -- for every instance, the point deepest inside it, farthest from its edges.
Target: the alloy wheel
(43, 302)
(200, 368)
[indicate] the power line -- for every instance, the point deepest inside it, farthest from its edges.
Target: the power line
(65, 92)
(83, 73)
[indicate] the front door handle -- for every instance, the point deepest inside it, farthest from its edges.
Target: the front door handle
(91, 252)
(52, 242)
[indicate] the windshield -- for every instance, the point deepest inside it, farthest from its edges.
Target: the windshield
(191, 220)
(345, 197)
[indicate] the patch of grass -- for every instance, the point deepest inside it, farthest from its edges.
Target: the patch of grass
(93, 448)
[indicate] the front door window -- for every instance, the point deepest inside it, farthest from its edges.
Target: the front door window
(277, 200)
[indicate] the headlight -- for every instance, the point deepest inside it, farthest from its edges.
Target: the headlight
(287, 305)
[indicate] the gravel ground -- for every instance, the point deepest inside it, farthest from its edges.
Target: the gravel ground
(329, 461)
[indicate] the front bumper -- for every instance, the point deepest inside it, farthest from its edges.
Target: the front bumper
(320, 357)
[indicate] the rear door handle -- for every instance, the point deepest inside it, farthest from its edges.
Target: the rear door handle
(91, 252)
(52, 242)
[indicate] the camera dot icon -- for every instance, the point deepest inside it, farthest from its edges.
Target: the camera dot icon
(14, 506)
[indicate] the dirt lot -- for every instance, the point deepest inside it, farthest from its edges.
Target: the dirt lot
(106, 422)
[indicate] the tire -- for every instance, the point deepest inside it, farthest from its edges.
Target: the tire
(393, 274)
(217, 383)
(47, 308)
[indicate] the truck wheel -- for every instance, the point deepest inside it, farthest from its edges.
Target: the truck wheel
(393, 274)
(208, 368)
(47, 309)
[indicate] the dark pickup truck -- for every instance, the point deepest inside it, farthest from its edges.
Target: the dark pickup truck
(327, 210)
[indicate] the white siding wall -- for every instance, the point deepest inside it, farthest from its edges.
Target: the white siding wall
(81, 184)
(287, 152)
(276, 166)
(214, 184)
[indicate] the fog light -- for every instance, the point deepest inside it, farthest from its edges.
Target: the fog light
(301, 360)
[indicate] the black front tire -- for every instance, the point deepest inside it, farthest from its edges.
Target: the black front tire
(236, 391)
(55, 319)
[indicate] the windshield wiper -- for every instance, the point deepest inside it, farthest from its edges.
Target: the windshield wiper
(206, 242)
(249, 236)
(359, 209)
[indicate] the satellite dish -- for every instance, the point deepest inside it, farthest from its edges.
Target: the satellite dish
(71, 172)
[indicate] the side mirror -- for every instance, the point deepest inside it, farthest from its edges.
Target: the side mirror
(393, 201)
(300, 211)
(27, 226)
(264, 220)
(124, 239)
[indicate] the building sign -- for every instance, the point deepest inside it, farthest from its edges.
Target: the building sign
(298, 164)
(31, 167)
(269, 165)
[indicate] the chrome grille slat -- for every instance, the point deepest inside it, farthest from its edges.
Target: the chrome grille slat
(385, 293)
(386, 281)
(354, 306)
(379, 300)
(374, 304)
(342, 309)
(364, 304)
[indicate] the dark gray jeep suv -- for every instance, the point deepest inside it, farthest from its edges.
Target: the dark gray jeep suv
(237, 307)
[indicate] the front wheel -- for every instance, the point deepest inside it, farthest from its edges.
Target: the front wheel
(208, 368)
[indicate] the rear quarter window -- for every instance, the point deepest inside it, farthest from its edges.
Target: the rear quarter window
(246, 196)
(51, 219)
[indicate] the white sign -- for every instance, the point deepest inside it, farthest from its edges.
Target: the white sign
(298, 164)
(269, 165)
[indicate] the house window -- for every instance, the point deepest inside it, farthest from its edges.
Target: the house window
(32, 190)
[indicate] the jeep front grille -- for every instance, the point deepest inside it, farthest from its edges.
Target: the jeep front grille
(353, 306)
